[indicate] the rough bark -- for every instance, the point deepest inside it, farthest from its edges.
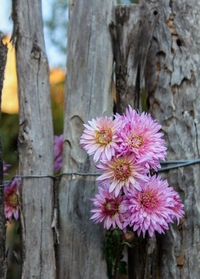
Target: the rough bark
(3, 58)
(172, 85)
(35, 140)
(131, 34)
(89, 93)
(171, 70)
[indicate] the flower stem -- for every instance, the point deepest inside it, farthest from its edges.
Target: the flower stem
(119, 250)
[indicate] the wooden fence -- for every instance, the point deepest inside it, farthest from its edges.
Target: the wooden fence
(152, 52)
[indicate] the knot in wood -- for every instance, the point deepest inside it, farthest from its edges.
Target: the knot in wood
(122, 14)
(36, 52)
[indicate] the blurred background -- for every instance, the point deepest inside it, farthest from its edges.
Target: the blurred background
(55, 16)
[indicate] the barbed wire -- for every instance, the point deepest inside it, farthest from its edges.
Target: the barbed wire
(175, 164)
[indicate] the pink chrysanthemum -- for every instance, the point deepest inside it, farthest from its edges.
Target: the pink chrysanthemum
(5, 167)
(154, 207)
(108, 208)
(58, 152)
(139, 134)
(122, 173)
(176, 205)
(11, 207)
(99, 138)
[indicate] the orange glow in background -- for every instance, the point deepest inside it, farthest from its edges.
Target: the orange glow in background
(9, 94)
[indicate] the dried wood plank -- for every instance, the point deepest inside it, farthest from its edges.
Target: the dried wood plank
(172, 84)
(131, 34)
(35, 140)
(89, 93)
(171, 69)
(3, 266)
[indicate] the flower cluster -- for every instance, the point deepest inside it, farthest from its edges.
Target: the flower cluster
(5, 167)
(125, 150)
(12, 193)
(12, 190)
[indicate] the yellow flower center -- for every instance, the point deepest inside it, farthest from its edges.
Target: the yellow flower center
(136, 141)
(103, 136)
(121, 170)
(111, 207)
(13, 199)
(148, 200)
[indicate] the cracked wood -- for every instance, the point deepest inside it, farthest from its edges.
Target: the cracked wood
(131, 35)
(35, 140)
(175, 102)
(89, 93)
(171, 80)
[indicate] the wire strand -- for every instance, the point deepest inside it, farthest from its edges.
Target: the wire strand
(175, 164)
(180, 164)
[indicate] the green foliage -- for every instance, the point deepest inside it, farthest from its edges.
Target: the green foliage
(9, 135)
(113, 252)
(57, 119)
(10, 127)
(115, 243)
(13, 248)
(57, 102)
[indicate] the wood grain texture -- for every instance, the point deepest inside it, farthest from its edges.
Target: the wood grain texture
(3, 265)
(131, 33)
(172, 84)
(35, 140)
(89, 93)
(170, 68)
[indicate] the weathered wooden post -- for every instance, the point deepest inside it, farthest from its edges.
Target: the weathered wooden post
(156, 46)
(132, 34)
(35, 140)
(3, 58)
(172, 85)
(169, 61)
(89, 93)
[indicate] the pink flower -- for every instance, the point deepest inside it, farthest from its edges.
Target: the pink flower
(58, 152)
(176, 205)
(99, 138)
(108, 208)
(139, 134)
(11, 207)
(123, 173)
(5, 167)
(154, 207)
(58, 163)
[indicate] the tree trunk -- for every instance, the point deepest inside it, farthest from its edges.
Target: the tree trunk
(89, 93)
(172, 85)
(3, 267)
(171, 63)
(35, 140)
